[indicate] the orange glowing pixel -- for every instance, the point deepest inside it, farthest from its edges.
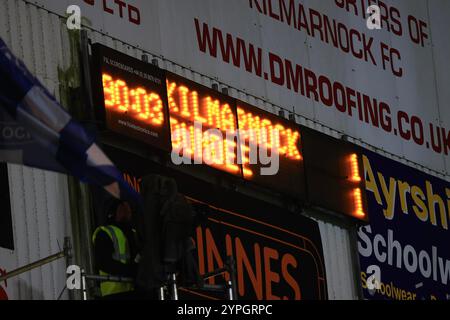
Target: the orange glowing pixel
(359, 211)
(355, 177)
(136, 102)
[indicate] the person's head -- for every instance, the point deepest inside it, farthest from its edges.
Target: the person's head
(119, 211)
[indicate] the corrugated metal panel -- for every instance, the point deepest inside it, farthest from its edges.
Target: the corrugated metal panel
(40, 222)
(338, 261)
(39, 199)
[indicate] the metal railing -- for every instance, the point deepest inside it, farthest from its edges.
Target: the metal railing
(172, 287)
(66, 252)
(229, 267)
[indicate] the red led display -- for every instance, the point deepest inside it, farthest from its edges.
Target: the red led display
(201, 126)
(133, 96)
(195, 110)
(138, 103)
(200, 119)
(334, 174)
(271, 135)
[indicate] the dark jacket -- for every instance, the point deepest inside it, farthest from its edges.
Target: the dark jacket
(104, 249)
(166, 228)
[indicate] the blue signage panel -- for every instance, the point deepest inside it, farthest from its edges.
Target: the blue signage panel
(405, 250)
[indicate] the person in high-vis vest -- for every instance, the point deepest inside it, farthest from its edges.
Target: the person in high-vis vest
(116, 250)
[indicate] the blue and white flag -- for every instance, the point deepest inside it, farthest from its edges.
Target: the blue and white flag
(36, 131)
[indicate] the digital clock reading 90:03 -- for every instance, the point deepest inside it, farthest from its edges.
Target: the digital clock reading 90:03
(142, 105)
(172, 113)
(133, 96)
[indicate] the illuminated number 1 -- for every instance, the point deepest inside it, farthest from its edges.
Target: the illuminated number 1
(355, 177)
